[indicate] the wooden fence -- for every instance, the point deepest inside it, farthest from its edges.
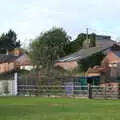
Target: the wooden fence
(97, 92)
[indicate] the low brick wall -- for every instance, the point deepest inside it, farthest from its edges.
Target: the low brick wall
(67, 65)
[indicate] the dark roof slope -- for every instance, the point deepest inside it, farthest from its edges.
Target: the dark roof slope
(23, 60)
(101, 45)
(117, 53)
(104, 42)
(7, 58)
(83, 53)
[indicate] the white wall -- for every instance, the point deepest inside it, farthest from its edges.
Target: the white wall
(8, 87)
(27, 67)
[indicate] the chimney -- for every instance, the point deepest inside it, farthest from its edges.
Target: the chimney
(17, 52)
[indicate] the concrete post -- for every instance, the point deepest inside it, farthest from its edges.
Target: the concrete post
(14, 85)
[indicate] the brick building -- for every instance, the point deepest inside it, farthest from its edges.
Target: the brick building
(109, 70)
(70, 62)
(13, 60)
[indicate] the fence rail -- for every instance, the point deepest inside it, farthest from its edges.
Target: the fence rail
(70, 90)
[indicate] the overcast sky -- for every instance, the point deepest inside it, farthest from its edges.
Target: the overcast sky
(28, 18)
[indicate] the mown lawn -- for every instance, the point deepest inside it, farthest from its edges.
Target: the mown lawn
(36, 108)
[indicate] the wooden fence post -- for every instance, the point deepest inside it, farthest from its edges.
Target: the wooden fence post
(89, 80)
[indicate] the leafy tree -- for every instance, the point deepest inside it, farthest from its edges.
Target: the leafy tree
(8, 41)
(81, 42)
(91, 61)
(77, 44)
(48, 47)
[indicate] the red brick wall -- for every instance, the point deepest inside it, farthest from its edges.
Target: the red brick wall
(112, 84)
(67, 65)
(5, 67)
(110, 57)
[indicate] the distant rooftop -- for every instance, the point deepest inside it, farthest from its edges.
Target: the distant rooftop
(103, 37)
(83, 53)
(7, 58)
(103, 42)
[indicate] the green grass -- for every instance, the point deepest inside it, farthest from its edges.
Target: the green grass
(36, 108)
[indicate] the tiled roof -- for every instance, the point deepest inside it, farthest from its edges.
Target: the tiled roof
(105, 42)
(7, 58)
(101, 45)
(97, 69)
(23, 60)
(117, 53)
(83, 53)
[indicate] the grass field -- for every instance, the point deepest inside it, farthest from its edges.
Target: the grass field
(35, 108)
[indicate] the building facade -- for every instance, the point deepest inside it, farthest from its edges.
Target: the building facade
(15, 60)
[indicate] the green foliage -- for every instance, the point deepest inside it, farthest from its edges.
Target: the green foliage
(81, 41)
(48, 47)
(77, 44)
(8, 41)
(54, 44)
(91, 61)
(92, 38)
